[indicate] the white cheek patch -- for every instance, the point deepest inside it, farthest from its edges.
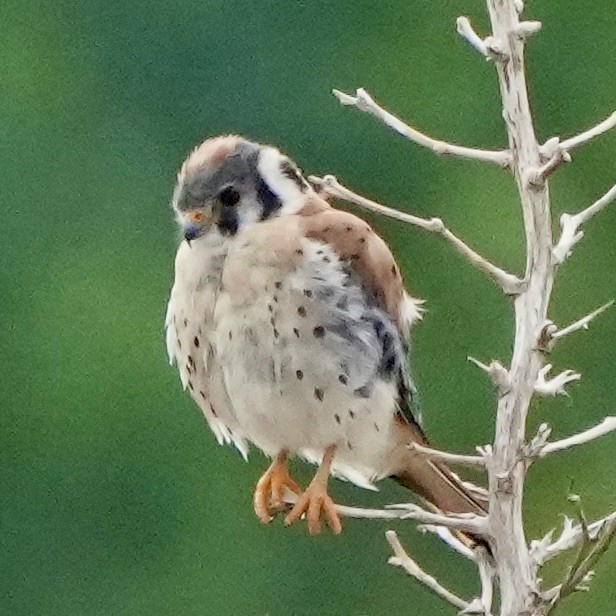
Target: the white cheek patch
(286, 190)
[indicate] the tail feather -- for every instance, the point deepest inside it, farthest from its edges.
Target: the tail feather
(436, 484)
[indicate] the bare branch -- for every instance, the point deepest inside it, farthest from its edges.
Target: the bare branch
(465, 522)
(556, 385)
(489, 47)
(550, 334)
(466, 31)
(363, 101)
(580, 574)
(536, 176)
(497, 372)
(486, 575)
(445, 535)
(510, 284)
(451, 458)
(570, 224)
(526, 29)
(591, 133)
(605, 427)
(538, 442)
(571, 535)
(582, 323)
(402, 559)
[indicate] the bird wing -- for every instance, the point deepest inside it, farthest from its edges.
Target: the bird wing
(370, 259)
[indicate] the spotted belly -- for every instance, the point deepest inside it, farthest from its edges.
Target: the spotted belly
(308, 359)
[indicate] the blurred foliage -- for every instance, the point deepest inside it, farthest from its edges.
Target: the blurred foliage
(115, 498)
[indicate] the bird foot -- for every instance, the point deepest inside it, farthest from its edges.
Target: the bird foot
(313, 502)
(270, 491)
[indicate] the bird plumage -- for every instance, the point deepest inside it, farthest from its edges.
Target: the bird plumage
(289, 323)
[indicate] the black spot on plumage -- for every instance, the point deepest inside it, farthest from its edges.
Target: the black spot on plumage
(202, 394)
(299, 374)
(276, 333)
(185, 322)
(349, 445)
(377, 428)
(296, 332)
(191, 386)
(278, 285)
(365, 391)
(318, 331)
(343, 379)
(270, 308)
(275, 298)
(299, 251)
(301, 311)
(230, 335)
(191, 361)
(319, 252)
(351, 414)
(196, 342)
(319, 394)
(326, 260)
(179, 344)
(337, 417)
(307, 292)
(214, 411)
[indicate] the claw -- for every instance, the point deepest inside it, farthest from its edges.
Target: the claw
(316, 501)
(269, 493)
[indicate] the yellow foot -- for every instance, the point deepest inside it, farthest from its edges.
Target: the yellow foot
(315, 500)
(269, 494)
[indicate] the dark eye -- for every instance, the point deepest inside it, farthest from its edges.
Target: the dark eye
(229, 197)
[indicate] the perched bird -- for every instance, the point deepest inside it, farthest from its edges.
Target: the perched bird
(289, 324)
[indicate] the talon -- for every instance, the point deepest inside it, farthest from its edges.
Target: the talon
(269, 492)
(315, 501)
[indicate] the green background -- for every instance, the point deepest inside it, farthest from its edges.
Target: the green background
(115, 499)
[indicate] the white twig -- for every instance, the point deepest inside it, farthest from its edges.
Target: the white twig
(363, 101)
(466, 31)
(572, 534)
(570, 224)
(605, 427)
(486, 575)
(402, 559)
(538, 442)
(450, 539)
(550, 334)
(582, 323)
(556, 385)
(510, 284)
(497, 372)
(451, 458)
(536, 176)
(488, 47)
(465, 522)
(591, 133)
(527, 28)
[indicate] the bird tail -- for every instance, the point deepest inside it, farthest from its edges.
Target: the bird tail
(441, 488)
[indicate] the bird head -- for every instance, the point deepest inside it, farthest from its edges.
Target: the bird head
(229, 183)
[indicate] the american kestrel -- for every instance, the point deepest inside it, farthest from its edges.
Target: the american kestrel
(289, 324)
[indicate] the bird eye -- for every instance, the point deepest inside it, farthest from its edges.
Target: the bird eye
(229, 197)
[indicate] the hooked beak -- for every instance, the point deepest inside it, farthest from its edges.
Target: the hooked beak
(195, 224)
